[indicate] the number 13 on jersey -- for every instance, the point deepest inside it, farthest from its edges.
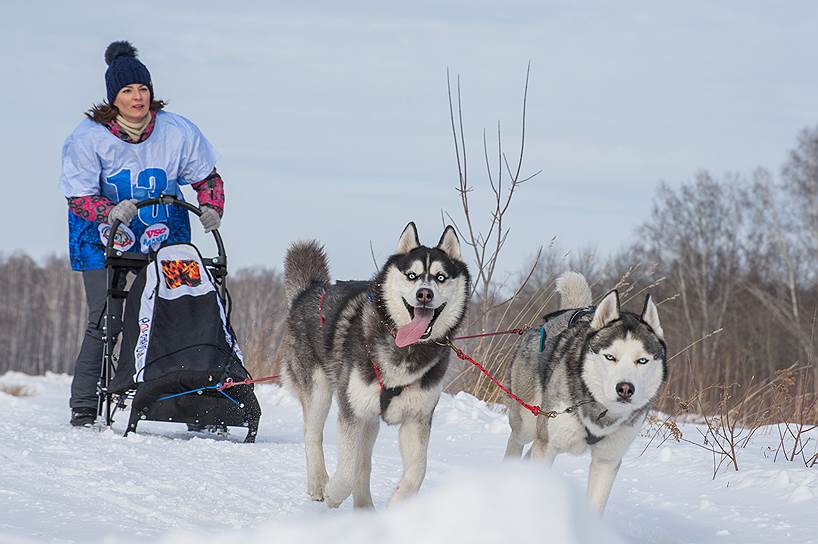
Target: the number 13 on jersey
(150, 183)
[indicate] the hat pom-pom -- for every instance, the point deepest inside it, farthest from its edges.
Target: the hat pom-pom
(119, 49)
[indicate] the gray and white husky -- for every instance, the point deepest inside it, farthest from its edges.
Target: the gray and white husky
(378, 346)
(606, 363)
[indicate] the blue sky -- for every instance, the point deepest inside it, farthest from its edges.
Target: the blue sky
(331, 120)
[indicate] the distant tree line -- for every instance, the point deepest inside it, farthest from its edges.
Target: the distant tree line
(42, 314)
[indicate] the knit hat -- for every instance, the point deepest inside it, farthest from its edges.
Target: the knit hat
(123, 69)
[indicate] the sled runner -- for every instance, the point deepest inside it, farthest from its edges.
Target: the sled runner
(178, 357)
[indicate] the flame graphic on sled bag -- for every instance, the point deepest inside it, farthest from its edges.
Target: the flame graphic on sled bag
(181, 272)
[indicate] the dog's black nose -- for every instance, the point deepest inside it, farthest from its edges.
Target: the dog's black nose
(625, 390)
(424, 295)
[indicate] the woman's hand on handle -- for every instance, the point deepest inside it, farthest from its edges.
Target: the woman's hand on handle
(124, 211)
(210, 219)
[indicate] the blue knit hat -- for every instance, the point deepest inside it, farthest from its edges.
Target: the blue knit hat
(123, 69)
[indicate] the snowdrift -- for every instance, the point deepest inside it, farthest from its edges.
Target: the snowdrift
(515, 502)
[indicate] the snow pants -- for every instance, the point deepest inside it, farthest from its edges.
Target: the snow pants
(89, 361)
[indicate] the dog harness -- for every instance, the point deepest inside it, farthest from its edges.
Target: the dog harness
(387, 393)
(576, 316)
(573, 320)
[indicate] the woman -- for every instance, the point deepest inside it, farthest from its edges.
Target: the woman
(127, 150)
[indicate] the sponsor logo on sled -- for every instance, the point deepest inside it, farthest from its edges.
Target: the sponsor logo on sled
(154, 236)
(142, 342)
(124, 239)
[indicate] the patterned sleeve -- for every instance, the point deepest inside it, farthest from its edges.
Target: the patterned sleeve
(210, 192)
(90, 208)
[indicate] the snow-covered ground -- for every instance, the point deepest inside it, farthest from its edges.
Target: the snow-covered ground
(59, 484)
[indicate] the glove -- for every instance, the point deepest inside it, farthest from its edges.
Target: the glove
(210, 219)
(124, 211)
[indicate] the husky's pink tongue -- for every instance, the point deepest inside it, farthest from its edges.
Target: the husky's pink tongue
(411, 332)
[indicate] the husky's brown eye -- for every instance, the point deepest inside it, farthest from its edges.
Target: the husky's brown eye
(642, 361)
(609, 357)
(412, 276)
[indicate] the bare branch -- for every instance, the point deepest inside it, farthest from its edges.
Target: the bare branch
(372, 252)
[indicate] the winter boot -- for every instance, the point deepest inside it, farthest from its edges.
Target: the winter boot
(81, 417)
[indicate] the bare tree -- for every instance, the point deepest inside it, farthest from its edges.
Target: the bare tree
(783, 244)
(504, 178)
(695, 236)
(485, 234)
(800, 186)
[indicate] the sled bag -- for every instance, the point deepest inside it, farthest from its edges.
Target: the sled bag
(175, 324)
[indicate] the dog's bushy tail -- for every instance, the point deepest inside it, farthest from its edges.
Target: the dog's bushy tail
(574, 290)
(305, 264)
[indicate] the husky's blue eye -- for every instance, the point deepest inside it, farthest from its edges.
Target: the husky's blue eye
(440, 278)
(609, 357)
(642, 361)
(411, 276)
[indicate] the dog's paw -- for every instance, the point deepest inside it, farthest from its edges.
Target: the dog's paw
(316, 487)
(336, 492)
(363, 503)
(401, 494)
(333, 502)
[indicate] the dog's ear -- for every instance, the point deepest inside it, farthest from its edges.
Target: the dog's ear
(650, 315)
(408, 239)
(607, 311)
(449, 243)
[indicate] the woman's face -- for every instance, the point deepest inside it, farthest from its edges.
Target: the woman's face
(133, 102)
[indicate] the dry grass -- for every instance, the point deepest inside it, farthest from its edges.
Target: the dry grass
(494, 352)
(729, 416)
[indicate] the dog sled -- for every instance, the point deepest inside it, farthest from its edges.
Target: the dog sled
(179, 359)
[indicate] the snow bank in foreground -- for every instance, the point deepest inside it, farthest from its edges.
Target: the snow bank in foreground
(514, 502)
(164, 484)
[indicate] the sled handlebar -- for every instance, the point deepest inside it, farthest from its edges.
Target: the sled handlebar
(220, 261)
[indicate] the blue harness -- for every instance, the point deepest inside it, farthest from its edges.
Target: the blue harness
(575, 317)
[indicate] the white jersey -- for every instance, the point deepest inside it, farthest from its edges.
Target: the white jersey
(96, 162)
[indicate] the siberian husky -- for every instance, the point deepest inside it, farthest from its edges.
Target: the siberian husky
(606, 363)
(379, 347)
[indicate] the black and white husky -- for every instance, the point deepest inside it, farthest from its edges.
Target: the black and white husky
(377, 345)
(606, 363)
